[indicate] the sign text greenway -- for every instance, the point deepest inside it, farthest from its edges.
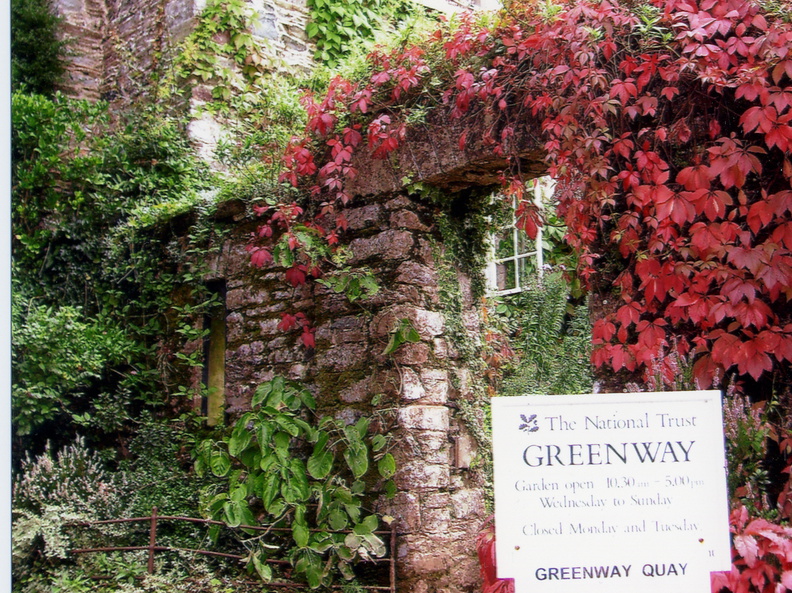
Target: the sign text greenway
(625, 489)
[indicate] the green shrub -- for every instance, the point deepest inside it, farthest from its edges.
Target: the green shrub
(58, 357)
(747, 430)
(76, 177)
(87, 197)
(159, 471)
(76, 477)
(339, 27)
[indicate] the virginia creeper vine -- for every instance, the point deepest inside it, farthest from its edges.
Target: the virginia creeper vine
(668, 127)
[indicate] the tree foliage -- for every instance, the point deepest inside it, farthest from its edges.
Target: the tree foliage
(37, 53)
(92, 293)
(336, 27)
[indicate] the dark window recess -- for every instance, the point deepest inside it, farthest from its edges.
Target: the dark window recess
(214, 346)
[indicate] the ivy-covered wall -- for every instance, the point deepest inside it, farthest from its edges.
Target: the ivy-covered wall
(117, 45)
(418, 394)
(426, 394)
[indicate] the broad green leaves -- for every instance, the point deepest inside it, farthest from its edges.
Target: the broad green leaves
(219, 463)
(403, 333)
(278, 460)
(355, 284)
(321, 461)
(387, 466)
(337, 26)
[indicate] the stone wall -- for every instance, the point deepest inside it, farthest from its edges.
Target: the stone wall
(138, 35)
(425, 387)
(440, 504)
(281, 27)
(84, 24)
(117, 45)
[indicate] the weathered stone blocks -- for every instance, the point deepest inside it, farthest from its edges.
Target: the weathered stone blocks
(345, 357)
(405, 219)
(427, 323)
(363, 217)
(387, 245)
(412, 389)
(245, 296)
(411, 272)
(419, 476)
(467, 503)
(356, 393)
(424, 418)
(412, 354)
(435, 383)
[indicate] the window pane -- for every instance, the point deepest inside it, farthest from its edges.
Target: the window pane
(504, 244)
(505, 276)
(524, 244)
(527, 267)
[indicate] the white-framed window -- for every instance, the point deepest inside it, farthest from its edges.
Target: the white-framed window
(514, 258)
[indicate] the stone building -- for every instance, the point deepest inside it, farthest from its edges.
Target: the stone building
(427, 393)
(116, 44)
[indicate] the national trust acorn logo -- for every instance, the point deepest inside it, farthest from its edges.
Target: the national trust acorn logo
(529, 424)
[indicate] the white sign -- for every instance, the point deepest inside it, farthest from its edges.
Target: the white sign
(619, 492)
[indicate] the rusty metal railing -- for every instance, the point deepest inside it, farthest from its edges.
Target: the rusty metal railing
(153, 548)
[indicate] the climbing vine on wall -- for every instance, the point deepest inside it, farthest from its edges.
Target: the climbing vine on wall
(223, 31)
(337, 26)
(668, 127)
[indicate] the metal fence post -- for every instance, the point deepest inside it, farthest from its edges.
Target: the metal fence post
(393, 557)
(152, 540)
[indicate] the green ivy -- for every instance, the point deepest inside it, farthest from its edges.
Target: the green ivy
(353, 283)
(403, 333)
(224, 30)
(466, 225)
(280, 463)
(338, 26)
(76, 177)
(89, 198)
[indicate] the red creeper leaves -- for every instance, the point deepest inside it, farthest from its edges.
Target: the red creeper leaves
(674, 161)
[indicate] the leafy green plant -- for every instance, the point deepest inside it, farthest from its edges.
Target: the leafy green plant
(551, 345)
(338, 26)
(279, 464)
(403, 333)
(354, 283)
(58, 356)
(158, 474)
(747, 429)
(74, 181)
(261, 118)
(224, 30)
(85, 203)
